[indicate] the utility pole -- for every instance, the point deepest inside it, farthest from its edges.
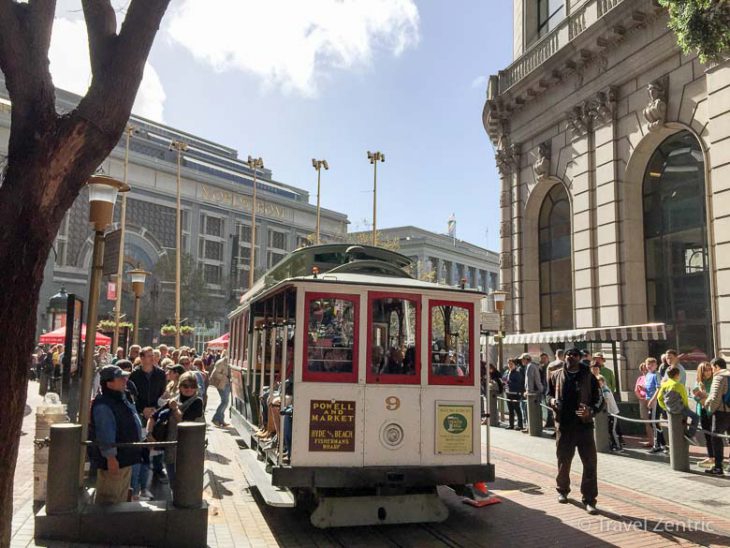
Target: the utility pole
(180, 147)
(318, 165)
(254, 164)
(374, 158)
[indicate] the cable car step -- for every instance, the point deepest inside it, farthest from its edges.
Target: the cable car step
(378, 510)
(258, 477)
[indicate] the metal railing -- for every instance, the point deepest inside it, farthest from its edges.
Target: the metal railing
(565, 32)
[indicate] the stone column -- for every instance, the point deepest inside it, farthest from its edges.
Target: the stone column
(717, 185)
(505, 164)
(584, 257)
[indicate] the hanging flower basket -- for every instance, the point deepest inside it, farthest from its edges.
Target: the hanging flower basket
(109, 325)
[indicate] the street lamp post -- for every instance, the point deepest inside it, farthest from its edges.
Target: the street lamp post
(374, 158)
(103, 192)
(180, 147)
(138, 277)
(123, 222)
(318, 165)
(500, 297)
(254, 164)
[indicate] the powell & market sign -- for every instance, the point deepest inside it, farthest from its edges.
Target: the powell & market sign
(332, 426)
(239, 201)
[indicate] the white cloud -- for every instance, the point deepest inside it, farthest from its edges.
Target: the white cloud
(71, 70)
(479, 82)
(292, 44)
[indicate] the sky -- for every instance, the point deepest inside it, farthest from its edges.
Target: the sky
(291, 80)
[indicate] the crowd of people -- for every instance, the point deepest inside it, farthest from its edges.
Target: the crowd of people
(142, 395)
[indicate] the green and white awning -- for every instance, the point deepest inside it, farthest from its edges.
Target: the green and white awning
(622, 333)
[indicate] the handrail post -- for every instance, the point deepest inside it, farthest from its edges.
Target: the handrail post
(678, 446)
(187, 492)
(603, 441)
(64, 458)
(534, 414)
(493, 409)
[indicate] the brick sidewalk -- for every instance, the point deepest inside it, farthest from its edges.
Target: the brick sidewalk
(529, 513)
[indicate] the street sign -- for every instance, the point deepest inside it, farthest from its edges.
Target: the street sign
(111, 291)
(111, 252)
(489, 321)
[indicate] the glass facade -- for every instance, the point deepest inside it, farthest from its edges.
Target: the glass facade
(675, 232)
(556, 273)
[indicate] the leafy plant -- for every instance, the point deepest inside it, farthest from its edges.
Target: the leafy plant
(169, 329)
(109, 325)
(701, 26)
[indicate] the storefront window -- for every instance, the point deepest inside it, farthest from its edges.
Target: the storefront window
(330, 347)
(677, 269)
(450, 332)
(556, 276)
(394, 339)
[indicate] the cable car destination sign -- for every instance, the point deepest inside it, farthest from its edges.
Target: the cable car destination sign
(332, 426)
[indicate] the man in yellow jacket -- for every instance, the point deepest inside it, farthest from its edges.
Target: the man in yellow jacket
(672, 397)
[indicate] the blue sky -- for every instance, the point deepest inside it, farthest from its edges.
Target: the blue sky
(411, 84)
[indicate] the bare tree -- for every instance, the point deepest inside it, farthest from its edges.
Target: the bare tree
(50, 157)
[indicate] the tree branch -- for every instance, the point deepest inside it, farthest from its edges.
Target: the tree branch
(101, 26)
(12, 44)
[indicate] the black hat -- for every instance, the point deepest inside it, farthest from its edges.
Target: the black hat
(177, 368)
(572, 351)
(111, 372)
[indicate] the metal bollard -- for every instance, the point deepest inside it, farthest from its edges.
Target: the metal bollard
(603, 441)
(493, 409)
(534, 414)
(63, 464)
(678, 446)
(187, 492)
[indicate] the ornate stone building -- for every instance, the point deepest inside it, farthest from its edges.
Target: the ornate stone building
(216, 192)
(613, 150)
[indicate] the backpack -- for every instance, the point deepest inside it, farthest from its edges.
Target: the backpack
(726, 396)
(162, 425)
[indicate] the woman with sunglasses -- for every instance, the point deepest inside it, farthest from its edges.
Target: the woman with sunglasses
(187, 406)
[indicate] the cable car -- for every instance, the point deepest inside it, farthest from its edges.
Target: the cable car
(356, 387)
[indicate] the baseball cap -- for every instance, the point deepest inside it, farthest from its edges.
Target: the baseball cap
(599, 355)
(176, 367)
(572, 352)
(525, 356)
(111, 372)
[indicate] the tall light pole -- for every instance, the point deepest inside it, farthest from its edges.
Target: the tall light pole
(374, 158)
(123, 222)
(180, 147)
(500, 297)
(103, 192)
(254, 164)
(318, 165)
(138, 277)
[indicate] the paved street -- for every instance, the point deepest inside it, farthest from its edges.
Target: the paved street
(642, 503)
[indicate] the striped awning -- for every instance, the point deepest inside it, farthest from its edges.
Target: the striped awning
(622, 333)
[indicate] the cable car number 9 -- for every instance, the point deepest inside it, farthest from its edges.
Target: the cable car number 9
(392, 403)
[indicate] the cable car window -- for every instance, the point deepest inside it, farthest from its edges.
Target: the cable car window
(450, 330)
(394, 333)
(330, 347)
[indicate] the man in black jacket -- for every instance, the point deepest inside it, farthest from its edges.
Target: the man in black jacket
(575, 397)
(150, 382)
(114, 421)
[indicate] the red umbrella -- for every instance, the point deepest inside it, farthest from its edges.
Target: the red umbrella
(219, 343)
(58, 336)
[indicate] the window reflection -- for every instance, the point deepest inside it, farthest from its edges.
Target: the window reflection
(393, 336)
(331, 330)
(677, 270)
(450, 339)
(556, 276)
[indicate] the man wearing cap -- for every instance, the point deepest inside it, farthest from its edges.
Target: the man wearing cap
(606, 373)
(114, 420)
(575, 396)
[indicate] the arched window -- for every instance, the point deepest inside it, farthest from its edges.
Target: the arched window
(556, 275)
(675, 232)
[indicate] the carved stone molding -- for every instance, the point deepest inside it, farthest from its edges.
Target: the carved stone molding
(508, 159)
(505, 199)
(541, 167)
(505, 228)
(655, 112)
(579, 119)
(603, 106)
(505, 259)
